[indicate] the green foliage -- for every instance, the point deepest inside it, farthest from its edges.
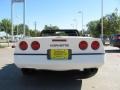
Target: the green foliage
(34, 33)
(93, 28)
(111, 25)
(1, 46)
(6, 25)
(50, 27)
(21, 30)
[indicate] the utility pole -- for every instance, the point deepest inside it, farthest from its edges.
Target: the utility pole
(76, 23)
(102, 20)
(24, 18)
(12, 2)
(12, 20)
(6, 35)
(18, 18)
(17, 29)
(35, 28)
(81, 12)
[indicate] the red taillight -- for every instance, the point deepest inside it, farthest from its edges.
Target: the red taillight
(116, 37)
(95, 45)
(35, 45)
(23, 45)
(83, 45)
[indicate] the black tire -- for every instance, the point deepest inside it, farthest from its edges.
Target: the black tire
(87, 73)
(27, 71)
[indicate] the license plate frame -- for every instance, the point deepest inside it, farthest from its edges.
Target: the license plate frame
(66, 54)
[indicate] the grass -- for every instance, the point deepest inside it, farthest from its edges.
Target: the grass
(3, 43)
(2, 46)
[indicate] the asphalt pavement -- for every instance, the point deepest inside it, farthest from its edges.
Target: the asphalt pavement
(11, 78)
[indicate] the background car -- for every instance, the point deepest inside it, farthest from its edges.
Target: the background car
(115, 40)
(106, 40)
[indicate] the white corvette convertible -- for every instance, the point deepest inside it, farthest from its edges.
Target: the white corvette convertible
(60, 50)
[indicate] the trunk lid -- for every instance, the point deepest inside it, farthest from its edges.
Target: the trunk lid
(60, 42)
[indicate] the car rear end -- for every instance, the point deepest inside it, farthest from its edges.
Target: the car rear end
(59, 53)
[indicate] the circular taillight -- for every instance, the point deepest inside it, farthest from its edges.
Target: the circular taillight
(35, 45)
(83, 45)
(23, 45)
(95, 45)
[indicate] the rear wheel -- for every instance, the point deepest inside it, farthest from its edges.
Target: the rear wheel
(27, 71)
(87, 73)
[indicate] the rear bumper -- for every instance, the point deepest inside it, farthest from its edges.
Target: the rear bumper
(79, 62)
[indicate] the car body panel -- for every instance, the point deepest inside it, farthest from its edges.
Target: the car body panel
(77, 62)
(81, 59)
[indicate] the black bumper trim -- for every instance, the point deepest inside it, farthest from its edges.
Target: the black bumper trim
(71, 54)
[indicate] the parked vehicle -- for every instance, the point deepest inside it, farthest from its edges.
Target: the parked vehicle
(115, 40)
(60, 50)
(106, 40)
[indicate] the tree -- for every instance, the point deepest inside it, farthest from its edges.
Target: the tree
(38, 33)
(111, 25)
(51, 27)
(21, 30)
(93, 28)
(6, 24)
(1, 27)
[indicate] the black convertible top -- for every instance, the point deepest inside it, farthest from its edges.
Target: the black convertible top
(60, 32)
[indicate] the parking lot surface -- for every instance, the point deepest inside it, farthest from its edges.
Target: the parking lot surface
(11, 78)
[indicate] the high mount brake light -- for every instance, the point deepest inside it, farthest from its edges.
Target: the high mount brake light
(83, 45)
(35, 45)
(95, 45)
(23, 45)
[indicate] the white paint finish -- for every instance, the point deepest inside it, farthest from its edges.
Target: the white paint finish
(72, 41)
(41, 62)
(77, 62)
